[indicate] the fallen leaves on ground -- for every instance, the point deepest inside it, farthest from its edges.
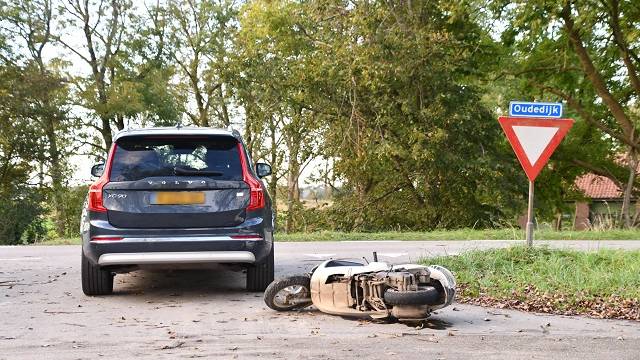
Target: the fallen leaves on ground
(533, 300)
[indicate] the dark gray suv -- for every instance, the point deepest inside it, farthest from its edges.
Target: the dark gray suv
(176, 197)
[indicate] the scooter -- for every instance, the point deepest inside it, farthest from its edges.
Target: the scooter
(378, 290)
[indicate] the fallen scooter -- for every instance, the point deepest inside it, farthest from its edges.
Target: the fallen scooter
(378, 290)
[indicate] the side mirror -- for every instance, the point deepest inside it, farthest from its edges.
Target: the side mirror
(263, 170)
(97, 170)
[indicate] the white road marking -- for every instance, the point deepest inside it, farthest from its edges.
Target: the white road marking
(393, 255)
(21, 259)
(501, 240)
(320, 256)
(371, 241)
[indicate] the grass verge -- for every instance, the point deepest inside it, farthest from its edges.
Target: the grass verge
(602, 284)
(463, 234)
(61, 241)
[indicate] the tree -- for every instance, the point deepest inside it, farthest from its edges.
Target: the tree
(586, 54)
(29, 22)
(127, 77)
(146, 66)
(275, 86)
(104, 26)
(21, 203)
(200, 34)
(413, 143)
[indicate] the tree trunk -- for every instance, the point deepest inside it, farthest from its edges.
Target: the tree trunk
(225, 111)
(248, 137)
(273, 182)
(120, 122)
(56, 177)
(632, 163)
(105, 131)
(557, 223)
(292, 184)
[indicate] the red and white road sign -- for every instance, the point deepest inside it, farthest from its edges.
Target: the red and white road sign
(534, 140)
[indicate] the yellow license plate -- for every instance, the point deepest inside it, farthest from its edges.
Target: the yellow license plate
(178, 198)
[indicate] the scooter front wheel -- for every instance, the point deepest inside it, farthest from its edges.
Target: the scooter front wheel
(293, 292)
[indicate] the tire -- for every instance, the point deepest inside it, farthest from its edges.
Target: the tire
(427, 295)
(275, 287)
(260, 275)
(95, 281)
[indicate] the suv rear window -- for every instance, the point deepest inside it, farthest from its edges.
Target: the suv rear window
(136, 158)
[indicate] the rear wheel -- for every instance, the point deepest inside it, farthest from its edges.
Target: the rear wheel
(260, 275)
(427, 295)
(293, 292)
(95, 280)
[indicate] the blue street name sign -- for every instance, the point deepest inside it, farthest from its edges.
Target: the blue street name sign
(535, 109)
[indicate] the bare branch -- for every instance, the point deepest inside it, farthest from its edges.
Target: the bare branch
(584, 114)
(72, 49)
(93, 145)
(594, 76)
(614, 17)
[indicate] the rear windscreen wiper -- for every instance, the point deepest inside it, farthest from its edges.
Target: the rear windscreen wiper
(181, 171)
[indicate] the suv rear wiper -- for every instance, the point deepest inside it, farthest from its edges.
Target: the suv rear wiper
(181, 171)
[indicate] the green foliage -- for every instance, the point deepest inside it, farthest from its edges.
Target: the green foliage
(414, 144)
(146, 73)
(399, 99)
(74, 198)
(21, 215)
(199, 37)
(20, 199)
(583, 53)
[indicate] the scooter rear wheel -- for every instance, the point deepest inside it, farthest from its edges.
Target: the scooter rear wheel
(293, 292)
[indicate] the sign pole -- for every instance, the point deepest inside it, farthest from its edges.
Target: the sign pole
(530, 216)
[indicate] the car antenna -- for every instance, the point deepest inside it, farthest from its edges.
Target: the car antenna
(375, 256)
(179, 125)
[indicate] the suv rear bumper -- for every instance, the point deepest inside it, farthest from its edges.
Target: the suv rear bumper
(105, 245)
(177, 250)
(181, 257)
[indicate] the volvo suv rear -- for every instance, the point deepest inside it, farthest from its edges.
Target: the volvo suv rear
(176, 196)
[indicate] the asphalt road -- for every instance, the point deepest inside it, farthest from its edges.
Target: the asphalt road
(206, 313)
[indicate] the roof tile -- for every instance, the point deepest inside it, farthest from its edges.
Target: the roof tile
(597, 187)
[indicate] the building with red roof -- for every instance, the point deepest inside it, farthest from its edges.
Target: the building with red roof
(605, 203)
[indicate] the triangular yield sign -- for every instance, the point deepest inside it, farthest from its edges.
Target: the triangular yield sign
(534, 140)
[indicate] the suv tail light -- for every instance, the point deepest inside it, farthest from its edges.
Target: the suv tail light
(95, 190)
(256, 198)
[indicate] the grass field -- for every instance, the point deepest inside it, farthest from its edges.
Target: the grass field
(463, 234)
(603, 283)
